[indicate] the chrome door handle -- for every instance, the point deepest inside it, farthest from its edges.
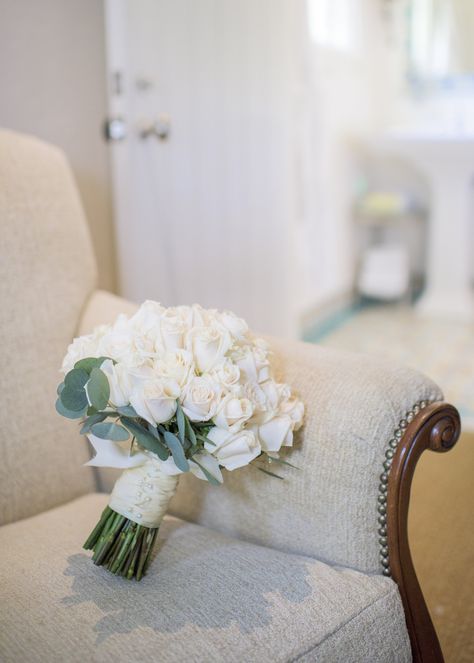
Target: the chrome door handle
(160, 128)
(115, 129)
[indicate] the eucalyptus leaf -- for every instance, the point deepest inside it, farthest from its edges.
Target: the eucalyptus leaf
(110, 431)
(76, 379)
(176, 448)
(212, 480)
(98, 390)
(190, 432)
(145, 438)
(272, 474)
(154, 431)
(64, 412)
(181, 421)
(127, 411)
(186, 444)
(205, 439)
(75, 401)
(90, 421)
(73, 395)
(88, 363)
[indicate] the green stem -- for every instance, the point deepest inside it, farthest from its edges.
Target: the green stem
(150, 540)
(130, 571)
(94, 535)
(132, 550)
(121, 545)
(106, 542)
(123, 550)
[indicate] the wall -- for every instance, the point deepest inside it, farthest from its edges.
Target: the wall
(52, 85)
(348, 77)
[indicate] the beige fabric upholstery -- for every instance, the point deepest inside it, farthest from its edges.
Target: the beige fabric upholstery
(207, 598)
(47, 270)
(327, 508)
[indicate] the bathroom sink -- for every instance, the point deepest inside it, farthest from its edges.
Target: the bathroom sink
(447, 160)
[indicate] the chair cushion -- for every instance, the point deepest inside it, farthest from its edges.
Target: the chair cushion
(207, 597)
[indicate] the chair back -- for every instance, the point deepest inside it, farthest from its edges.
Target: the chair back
(47, 272)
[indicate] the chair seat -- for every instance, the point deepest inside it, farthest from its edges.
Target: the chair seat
(207, 597)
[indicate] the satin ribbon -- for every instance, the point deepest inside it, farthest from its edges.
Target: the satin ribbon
(115, 454)
(142, 494)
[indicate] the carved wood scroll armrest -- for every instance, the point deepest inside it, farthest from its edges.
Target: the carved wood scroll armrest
(436, 427)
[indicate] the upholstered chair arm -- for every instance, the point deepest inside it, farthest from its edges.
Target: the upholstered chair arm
(368, 422)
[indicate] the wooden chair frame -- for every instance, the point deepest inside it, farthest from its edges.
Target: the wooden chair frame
(436, 427)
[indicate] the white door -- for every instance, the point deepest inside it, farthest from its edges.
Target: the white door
(206, 214)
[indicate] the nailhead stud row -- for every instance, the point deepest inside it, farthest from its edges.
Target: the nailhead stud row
(383, 486)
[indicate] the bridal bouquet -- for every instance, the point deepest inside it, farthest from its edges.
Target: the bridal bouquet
(167, 391)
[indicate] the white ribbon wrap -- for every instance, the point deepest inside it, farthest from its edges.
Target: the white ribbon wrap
(142, 494)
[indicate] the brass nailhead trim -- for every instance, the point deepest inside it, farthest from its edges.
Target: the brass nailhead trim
(382, 494)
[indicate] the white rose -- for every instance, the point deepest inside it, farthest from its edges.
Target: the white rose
(262, 363)
(253, 363)
(235, 325)
(146, 324)
(123, 379)
(254, 392)
(233, 412)
(265, 398)
(233, 450)
(227, 374)
(174, 324)
(82, 347)
(126, 345)
(201, 317)
(146, 320)
(208, 346)
(284, 391)
(262, 344)
(201, 398)
(275, 433)
(155, 400)
(175, 364)
(294, 408)
(119, 382)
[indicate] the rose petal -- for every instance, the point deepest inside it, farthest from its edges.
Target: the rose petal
(273, 433)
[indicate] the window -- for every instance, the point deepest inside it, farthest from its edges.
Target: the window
(332, 23)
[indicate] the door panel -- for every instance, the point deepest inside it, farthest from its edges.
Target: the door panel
(206, 215)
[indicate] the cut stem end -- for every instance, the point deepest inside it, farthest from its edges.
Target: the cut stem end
(122, 546)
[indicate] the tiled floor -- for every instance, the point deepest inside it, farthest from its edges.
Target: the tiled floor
(442, 350)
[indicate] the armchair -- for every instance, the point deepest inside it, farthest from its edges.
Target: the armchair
(314, 568)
